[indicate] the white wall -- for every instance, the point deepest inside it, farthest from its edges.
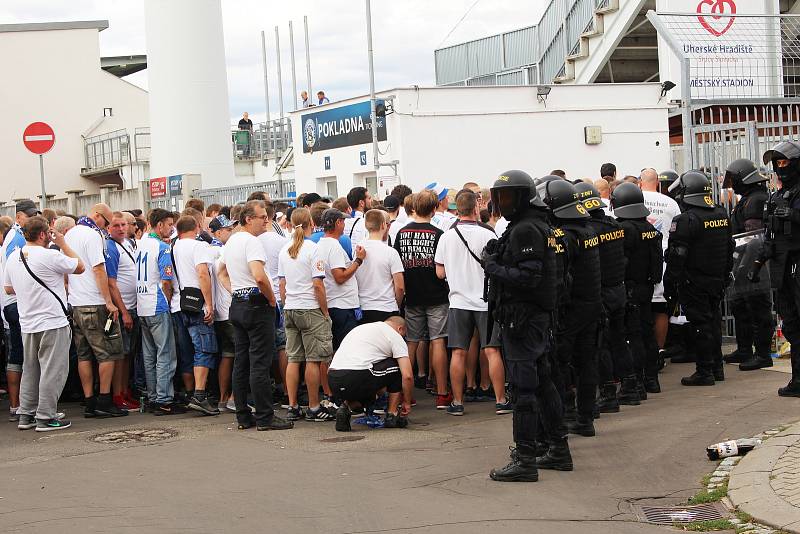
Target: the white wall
(454, 135)
(55, 77)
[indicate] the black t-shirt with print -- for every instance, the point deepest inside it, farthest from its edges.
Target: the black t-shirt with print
(416, 243)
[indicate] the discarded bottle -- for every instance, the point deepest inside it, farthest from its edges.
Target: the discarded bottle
(734, 447)
(142, 403)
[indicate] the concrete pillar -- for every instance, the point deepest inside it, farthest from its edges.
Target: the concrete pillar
(72, 200)
(190, 130)
(104, 193)
(49, 198)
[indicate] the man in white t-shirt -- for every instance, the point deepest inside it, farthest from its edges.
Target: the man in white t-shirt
(458, 260)
(662, 210)
(192, 260)
(381, 287)
(341, 287)
(360, 201)
(373, 357)
(97, 331)
(222, 229)
(46, 333)
(252, 314)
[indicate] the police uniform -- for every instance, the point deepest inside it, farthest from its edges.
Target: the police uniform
(521, 268)
(699, 263)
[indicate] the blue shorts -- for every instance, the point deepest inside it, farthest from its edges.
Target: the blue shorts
(342, 321)
(195, 341)
(280, 329)
(14, 337)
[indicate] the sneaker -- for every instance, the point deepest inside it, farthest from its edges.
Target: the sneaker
(121, 402)
(443, 401)
(381, 404)
(343, 415)
(12, 415)
(26, 422)
(470, 394)
(503, 408)
(485, 395)
(52, 424)
(105, 408)
(358, 412)
(420, 381)
(202, 406)
(320, 415)
(276, 424)
(455, 409)
(329, 405)
(430, 385)
(395, 421)
(168, 409)
(294, 413)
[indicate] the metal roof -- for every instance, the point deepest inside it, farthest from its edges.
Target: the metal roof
(98, 25)
(123, 65)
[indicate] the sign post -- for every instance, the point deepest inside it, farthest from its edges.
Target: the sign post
(39, 138)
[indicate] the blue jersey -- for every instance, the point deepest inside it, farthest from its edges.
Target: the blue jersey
(345, 241)
(153, 265)
(12, 242)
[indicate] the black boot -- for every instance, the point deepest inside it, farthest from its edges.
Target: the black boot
(88, 410)
(629, 392)
(651, 384)
(570, 412)
(758, 361)
(738, 356)
(640, 387)
(583, 426)
(106, 408)
(556, 458)
(719, 373)
(608, 398)
(792, 389)
(698, 379)
(521, 468)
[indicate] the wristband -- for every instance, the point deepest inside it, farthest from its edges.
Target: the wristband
(359, 261)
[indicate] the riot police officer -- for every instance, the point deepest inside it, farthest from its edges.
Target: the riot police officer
(522, 281)
(578, 335)
(645, 264)
(753, 311)
(699, 263)
(615, 361)
(665, 180)
(782, 249)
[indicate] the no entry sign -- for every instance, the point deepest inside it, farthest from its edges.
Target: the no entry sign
(39, 137)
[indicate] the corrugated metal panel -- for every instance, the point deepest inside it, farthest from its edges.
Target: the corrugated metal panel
(485, 56)
(491, 79)
(451, 64)
(515, 77)
(553, 59)
(533, 75)
(522, 47)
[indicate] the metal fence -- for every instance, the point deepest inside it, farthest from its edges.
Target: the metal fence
(228, 196)
(107, 151)
(266, 140)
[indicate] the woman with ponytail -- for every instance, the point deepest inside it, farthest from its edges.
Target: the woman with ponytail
(308, 325)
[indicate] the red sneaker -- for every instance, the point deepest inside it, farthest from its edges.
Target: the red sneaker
(124, 404)
(443, 401)
(128, 396)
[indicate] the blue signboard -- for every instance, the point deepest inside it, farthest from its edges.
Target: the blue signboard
(327, 163)
(175, 185)
(340, 127)
(363, 156)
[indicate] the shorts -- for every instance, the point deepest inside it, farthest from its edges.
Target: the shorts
(659, 307)
(342, 321)
(461, 324)
(363, 385)
(376, 316)
(131, 339)
(280, 329)
(90, 340)
(224, 330)
(201, 349)
(308, 336)
(426, 322)
(16, 354)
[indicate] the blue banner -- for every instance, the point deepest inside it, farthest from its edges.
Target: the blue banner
(340, 127)
(175, 185)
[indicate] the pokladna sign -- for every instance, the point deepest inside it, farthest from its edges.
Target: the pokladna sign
(731, 53)
(340, 127)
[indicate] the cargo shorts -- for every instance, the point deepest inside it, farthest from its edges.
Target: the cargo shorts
(308, 336)
(90, 341)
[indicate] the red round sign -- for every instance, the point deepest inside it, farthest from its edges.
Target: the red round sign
(39, 137)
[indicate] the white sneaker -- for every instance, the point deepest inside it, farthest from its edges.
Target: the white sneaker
(231, 405)
(60, 415)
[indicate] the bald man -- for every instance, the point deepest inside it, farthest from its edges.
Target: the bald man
(93, 308)
(662, 210)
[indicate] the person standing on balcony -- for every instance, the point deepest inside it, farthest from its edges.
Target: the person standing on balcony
(306, 102)
(246, 124)
(322, 98)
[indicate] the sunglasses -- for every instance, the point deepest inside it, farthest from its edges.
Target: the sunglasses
(108, 223)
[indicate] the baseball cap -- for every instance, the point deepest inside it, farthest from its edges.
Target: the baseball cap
(219, 222)
(330, 216)
(27, 207)
(439, 190)
(391, 203)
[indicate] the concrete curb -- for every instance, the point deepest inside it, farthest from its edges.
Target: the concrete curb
(750, 487)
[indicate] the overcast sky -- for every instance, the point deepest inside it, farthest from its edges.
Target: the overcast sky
(405, 34)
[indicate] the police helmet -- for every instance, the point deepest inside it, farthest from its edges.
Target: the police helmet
(519, 182)
(742, 172)
(590, 197)
(627, 200)
(693, 188)
(668, 177)
(784, 150)
(561, 197)
(540, 184)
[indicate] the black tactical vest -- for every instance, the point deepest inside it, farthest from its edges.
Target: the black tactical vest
(584, 254)
(709, 254)
(750, 207)
(645, 260)
(612, 249)
(782, 236)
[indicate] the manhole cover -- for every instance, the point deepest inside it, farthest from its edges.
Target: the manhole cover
(667, 515)
(117, 437)
(342, 439)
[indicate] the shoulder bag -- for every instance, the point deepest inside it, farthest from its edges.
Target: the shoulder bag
(66, 309)
(192, 300)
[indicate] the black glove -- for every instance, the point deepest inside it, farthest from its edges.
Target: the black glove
(787, 214)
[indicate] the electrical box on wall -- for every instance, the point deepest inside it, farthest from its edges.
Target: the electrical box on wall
(593, 135)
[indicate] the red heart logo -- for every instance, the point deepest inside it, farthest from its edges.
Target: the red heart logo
(718, 7)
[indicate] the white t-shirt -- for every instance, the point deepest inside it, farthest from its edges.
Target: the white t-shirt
(222, 297)
(662, 210)
(299, 274)
(464, 274)
(368, 344)
(355, 229)
(38, 308)
(443, 220)
(121, 266)
(90, 246)
(273, 242)
(187, 255)
(242, 248)
(500, 227)
(374, 278)
(341, 296)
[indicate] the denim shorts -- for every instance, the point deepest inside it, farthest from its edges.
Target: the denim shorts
(342, 321)
(131, 339)
(203, 338)
(15, 356)
(280, 329)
